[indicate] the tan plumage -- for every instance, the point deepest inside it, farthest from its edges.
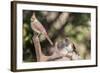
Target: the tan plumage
(38, 27)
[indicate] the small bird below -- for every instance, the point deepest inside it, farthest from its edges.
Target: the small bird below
(65, 46)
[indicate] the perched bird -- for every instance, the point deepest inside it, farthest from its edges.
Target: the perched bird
(38, 28)
(66, 46)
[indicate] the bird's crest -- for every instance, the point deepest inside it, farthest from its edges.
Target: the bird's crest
(33, 17)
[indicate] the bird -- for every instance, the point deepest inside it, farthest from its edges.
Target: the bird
(38, 28)
(66, 46)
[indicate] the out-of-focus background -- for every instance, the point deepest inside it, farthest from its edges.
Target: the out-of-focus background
(59, 25)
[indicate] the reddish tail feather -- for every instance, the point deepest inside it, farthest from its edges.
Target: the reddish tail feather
(46, 35)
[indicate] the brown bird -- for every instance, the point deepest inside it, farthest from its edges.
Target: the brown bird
(38, 27)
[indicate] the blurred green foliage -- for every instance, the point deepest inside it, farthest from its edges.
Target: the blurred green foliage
(77, 27)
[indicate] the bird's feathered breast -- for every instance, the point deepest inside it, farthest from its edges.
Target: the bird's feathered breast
(37, 26)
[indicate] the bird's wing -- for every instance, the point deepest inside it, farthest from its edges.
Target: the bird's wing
(39, 27)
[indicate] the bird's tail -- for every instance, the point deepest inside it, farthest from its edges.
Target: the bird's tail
(49, 39)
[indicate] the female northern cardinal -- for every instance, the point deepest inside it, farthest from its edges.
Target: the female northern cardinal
(38, 27)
